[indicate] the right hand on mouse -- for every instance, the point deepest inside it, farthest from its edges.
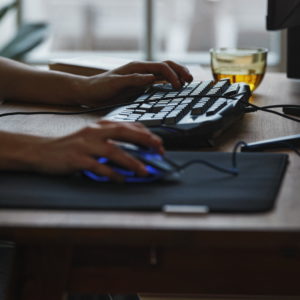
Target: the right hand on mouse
(78, 151)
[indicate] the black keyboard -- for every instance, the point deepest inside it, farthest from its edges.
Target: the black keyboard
(189, 117)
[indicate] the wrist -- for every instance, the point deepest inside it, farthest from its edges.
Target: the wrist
(18, 152)
(78, 90)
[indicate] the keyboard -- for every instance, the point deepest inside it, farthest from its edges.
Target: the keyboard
(190, 117)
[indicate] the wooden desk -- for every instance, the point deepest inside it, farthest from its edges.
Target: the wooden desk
(231, 254)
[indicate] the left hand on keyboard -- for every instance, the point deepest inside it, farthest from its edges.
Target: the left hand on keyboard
(130, 79)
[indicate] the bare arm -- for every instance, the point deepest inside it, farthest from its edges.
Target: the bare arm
(24, 83)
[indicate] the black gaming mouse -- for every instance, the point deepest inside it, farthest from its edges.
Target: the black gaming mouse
(157, 165)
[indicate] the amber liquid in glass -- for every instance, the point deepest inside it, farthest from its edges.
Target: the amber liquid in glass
(252, 79)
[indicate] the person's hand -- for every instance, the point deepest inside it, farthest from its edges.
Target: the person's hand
(79, 150)
(125, 81)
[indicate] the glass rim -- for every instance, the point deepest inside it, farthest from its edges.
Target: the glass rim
(231, 50)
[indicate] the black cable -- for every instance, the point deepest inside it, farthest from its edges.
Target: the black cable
(291, 146)
(281, 106)
(234, 152)
(266, 109)
(85, 111)
(232, 171)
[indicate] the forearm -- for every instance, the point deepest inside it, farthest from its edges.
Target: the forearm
(16, 151)
(24, 83)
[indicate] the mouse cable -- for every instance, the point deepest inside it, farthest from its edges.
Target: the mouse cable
(232, 171)
(84, 111)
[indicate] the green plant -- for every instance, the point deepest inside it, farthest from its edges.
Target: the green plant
(27, 38)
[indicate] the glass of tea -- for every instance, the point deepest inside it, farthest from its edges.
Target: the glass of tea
(239, 65)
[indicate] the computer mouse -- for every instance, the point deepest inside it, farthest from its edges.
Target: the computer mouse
(158, 166)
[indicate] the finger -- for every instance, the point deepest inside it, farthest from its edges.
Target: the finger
(124, 159)
(94, 166)
(182, 71)
(160, 70)
(138, 125)
(133, 80)
(129, 132)
(164, 72)
(115, 154)
(104, 122)
(169, 70)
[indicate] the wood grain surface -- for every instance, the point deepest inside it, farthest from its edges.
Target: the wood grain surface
(214, 254)
(275, 89)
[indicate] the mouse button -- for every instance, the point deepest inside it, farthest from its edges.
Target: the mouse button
(158, 161)
(163, 165)
(128, 147)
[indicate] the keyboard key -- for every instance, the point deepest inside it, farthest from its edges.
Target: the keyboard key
(187, 100)
(218, 105)
(176, 100)
(167, 108)
(146, 105)
(142, 98)
(223, 82)
(214, 92)
(140, 111)
(156, 108)
(164, 102)
(232, 90)
(134, 105)
(222, 85)
(132, 118)
(153, 119)
(156, 97)
(126, 112)
(162, 87)
(199, 108)
(202, 88)
(202, 106)
(172, 117)
(171, 95)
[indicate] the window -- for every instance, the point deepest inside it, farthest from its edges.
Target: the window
(186, 30)
(8, 25)
(160, 29)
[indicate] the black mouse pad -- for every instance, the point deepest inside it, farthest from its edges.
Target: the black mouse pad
(253, 190)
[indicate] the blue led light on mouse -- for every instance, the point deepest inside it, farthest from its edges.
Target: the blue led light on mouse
(157, 166)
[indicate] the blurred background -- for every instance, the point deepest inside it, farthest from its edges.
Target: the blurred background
(183, 30)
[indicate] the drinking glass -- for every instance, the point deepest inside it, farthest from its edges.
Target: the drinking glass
(239, 65)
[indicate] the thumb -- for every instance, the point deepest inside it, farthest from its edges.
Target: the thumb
(135, 80)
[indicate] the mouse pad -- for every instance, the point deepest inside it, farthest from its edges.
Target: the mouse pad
(253, 190)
